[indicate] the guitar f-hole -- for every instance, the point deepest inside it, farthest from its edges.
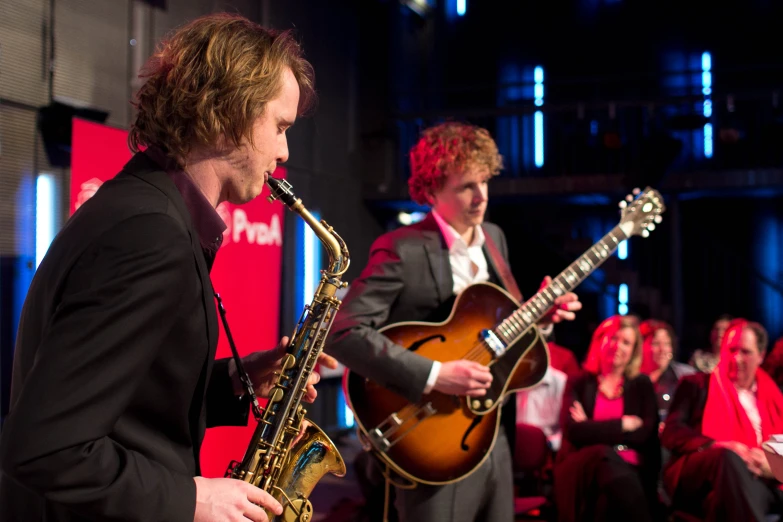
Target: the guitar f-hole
(462, 445)
(421, 342)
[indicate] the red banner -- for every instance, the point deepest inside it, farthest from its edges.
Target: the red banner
(246, 271)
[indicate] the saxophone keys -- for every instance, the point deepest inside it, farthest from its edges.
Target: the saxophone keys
(289, 361)
(276, 395)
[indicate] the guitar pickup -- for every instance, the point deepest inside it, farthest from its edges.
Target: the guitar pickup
(493, 342)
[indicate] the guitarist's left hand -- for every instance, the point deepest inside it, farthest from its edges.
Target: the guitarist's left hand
(564, 307)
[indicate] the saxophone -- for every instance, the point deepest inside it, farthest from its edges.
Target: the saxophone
(289, 473)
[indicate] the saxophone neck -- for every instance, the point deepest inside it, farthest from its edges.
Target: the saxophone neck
(339, 257)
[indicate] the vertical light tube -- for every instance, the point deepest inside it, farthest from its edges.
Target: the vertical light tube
(706, 89)
(622, 250)
(622, 299)
(46, 207)
(538, 117)
(312, 262)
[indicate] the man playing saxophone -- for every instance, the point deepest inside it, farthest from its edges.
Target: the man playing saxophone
(114, 378)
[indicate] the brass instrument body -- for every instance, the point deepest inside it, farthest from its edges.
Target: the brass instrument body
(312, 457)
(289, 473)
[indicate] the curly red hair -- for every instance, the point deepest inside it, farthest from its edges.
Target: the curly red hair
(209, 81)
(446, 148)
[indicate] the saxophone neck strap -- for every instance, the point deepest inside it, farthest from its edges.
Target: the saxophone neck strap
(243, 376)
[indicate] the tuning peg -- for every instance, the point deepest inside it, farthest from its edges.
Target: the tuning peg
(658, 219)
(636, 191)
(651, 227)
(645, 233)
(629, 198)
(623, 204)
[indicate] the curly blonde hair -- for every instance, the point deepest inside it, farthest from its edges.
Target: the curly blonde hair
(210, 80)
(447, 148)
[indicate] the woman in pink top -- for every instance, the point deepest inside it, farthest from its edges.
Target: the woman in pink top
(610, 457)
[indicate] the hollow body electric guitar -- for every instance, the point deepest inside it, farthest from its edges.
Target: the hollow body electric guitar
(443, 438)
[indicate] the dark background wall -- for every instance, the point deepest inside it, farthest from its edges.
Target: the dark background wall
(622, 86)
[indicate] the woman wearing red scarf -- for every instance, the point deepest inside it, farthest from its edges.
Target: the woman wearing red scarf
(715, 428)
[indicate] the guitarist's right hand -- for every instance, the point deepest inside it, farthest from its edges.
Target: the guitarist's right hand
(463, 378)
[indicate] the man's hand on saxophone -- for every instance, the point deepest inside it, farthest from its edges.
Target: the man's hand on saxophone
(230, 499)
(227, 499)
(262, 365)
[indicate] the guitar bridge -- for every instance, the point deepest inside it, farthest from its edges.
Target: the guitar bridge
(378, 437)
(379, 442)
(387, 434)
(493, 342)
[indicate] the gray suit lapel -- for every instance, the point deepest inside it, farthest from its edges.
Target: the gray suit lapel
(438, 256)
(494, 273)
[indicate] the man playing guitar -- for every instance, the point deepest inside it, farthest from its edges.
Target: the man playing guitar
(412, 272)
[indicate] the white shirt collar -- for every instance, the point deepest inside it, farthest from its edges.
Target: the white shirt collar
(453, 238)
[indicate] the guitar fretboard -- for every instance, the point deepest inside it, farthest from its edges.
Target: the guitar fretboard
(534, 308)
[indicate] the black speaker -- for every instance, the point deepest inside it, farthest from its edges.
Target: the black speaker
(55, 124)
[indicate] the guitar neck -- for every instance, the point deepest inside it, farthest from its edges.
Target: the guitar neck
(511, 328)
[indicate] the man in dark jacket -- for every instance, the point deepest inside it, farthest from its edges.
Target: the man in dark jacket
(114, 378)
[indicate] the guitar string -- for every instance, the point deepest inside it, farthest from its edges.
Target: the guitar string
(474, 353)
(411, 411)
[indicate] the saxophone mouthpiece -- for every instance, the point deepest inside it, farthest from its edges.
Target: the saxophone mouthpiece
(282, 190)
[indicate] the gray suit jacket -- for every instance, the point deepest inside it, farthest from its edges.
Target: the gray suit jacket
(408, 278)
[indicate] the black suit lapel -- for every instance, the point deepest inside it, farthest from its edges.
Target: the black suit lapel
(589, 395)
(146, 169)
(438, 257)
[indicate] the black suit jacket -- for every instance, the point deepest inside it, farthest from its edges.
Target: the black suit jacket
(682, 434)
(114, 364)
(638, 399)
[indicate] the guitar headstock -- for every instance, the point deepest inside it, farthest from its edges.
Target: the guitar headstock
(641, 211)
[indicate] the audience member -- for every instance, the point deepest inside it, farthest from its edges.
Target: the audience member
(608, 464)
(714, 430)
(659, 364)
(706, 360)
